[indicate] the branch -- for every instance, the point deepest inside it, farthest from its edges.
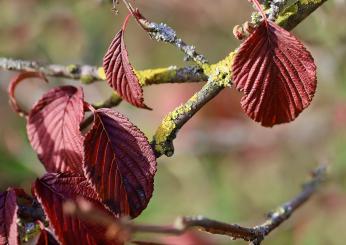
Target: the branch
(163, 33)
(297, 12)
(254, 235)
(89, 74)
(112, 101)
(219, 78)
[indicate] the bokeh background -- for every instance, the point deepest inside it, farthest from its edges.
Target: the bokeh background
(226, 166)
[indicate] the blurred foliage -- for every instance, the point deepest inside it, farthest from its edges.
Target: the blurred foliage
(226, 167)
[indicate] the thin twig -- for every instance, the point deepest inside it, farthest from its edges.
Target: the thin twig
(112, 101)
(254, 235)
(161, 32)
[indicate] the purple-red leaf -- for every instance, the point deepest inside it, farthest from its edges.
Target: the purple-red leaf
(276, 73)
(120, 74)
(120, 163)
(13, 84)
(53, 129)
(8, 218)
(52, 191)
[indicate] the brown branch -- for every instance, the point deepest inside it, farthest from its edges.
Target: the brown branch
(254, 235)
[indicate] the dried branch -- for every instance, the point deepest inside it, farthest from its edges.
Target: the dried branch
(219, 77)
(255, 235)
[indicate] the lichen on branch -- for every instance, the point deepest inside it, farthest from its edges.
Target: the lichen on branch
(219, 77)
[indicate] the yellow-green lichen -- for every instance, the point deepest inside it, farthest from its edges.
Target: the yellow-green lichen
(154, 76)
(304, 2)
(288, 12)
(293, 9)
(193, 99)
(163, 132)
(101, 73)
(168, 126)
(72, 69)
(87, 79)
(114, 100)
(221, 71)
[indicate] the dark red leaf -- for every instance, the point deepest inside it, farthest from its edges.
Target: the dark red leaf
(120, 163)
(8, 218)
(53, 129)
(276, 73)
(13, 84)
(120, 74)
(52, 191)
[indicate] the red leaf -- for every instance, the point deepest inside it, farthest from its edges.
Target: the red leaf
(119, 72)
(276, 73)
(120, 163)
(8, 218)
(13, 84)
(53, 129)
(52, 191)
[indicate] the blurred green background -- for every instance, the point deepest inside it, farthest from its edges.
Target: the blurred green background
(226, 167)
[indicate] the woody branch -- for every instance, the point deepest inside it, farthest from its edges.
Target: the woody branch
(254, 235)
